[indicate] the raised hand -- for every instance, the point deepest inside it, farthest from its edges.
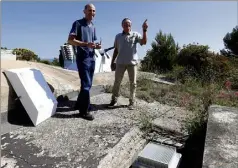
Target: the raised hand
(145, 25)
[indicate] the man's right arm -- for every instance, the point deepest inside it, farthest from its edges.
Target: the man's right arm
(72, 37)
(72, 40)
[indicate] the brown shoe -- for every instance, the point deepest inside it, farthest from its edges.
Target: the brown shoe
(131, 106)
(112, 104)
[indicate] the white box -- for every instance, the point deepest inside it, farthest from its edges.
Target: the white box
(34, 93)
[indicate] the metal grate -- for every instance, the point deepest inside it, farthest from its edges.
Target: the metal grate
(157, 156)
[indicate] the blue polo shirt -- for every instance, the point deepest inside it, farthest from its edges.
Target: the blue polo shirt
(85, 32)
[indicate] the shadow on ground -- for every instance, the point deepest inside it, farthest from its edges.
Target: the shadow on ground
(19, 116)
(194, 149)
(66, 106)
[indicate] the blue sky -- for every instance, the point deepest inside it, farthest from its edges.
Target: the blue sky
(44, 26)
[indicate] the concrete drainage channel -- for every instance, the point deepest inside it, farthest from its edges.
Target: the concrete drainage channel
(136, 151)
(160, 148)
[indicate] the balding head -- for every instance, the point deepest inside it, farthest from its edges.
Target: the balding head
(88, 5)
(89, 11)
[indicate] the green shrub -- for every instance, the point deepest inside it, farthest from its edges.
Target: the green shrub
(233, 78)
(45, 62)
(200, 63)
(193, 56)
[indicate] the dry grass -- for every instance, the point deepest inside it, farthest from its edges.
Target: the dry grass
(192, 94)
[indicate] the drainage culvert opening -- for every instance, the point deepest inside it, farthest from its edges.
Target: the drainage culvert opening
(187, 153)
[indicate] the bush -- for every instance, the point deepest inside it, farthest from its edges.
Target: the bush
(233, 78)
(45, 62)
(193, 56)
(200, 62)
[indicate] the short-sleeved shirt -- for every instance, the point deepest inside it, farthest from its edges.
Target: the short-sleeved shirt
(87, 33)
(127, 47)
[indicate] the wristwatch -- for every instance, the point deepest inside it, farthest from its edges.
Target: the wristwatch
(144, 30)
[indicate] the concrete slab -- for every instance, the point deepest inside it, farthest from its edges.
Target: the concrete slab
(67, 141)
(33, 92)
(126, 151)
(221, 145)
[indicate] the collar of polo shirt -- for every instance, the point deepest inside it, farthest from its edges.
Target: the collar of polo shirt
(85, 20)
(129, 33)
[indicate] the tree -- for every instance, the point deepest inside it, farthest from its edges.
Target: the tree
(61, 59)
(162, 56)
(55, 62)
(25, 54)
(231, 43)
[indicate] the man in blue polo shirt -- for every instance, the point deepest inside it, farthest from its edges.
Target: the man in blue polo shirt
(83, 36)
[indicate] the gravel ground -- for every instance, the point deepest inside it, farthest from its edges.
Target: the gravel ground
(67, 141)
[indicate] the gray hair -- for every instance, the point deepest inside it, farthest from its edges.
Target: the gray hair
(125, 19)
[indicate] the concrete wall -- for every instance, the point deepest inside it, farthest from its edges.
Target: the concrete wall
(7, 55)
(221, 144)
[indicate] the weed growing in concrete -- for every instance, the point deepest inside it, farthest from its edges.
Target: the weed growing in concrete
(195, 92)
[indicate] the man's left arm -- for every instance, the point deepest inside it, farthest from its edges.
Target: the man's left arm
(143, 40)
(98, 45)
(95, 38)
